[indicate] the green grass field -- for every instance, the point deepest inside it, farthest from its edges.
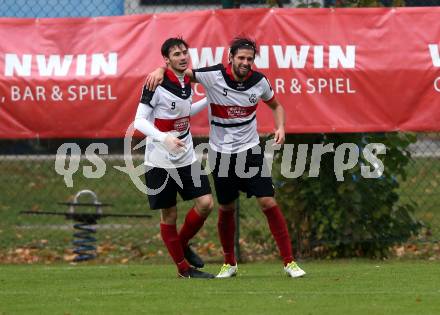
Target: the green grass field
(336, 287)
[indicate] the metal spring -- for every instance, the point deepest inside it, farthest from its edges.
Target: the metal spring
(84, 242)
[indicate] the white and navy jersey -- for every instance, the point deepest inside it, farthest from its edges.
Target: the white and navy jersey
(233, 106)
(171, 103)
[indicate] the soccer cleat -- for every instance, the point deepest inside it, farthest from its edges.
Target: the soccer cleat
(293, 270)
(227, 271)
(193, 258)
(194, 273)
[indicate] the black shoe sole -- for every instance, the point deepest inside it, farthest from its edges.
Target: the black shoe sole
(188, 254)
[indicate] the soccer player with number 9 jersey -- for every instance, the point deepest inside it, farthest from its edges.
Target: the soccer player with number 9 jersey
(163, 116)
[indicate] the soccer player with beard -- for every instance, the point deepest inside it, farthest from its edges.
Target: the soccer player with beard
(163, 116)
(233, 93)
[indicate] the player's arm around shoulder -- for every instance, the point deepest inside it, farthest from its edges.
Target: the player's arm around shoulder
(190, 74)
(155, 78)
(207, 76)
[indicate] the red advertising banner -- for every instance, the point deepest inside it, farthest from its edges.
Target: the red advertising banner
(343, 70)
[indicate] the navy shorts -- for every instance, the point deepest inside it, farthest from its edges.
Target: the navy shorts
(194, 181)
(228, 183)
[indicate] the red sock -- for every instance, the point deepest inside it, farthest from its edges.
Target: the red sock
(226, 231)
(193, 223)
(278, 227)
(172, 242)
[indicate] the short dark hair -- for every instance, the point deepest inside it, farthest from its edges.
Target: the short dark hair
(242, 42)
(170, 43)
